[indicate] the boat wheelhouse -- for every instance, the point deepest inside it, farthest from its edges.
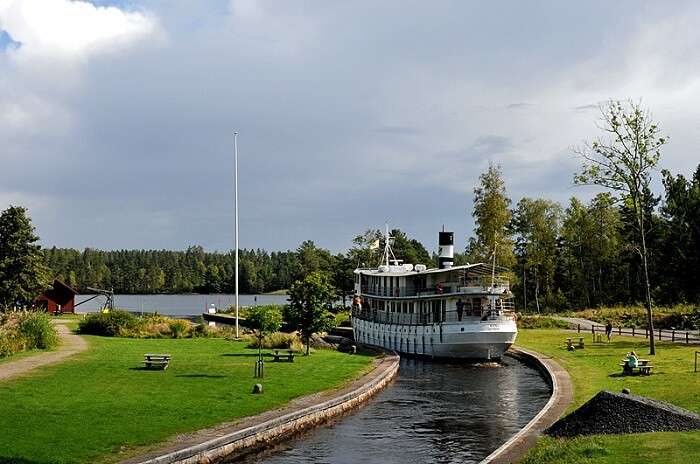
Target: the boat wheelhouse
(447, 312)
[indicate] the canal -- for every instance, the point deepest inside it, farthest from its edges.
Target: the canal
(433, 412)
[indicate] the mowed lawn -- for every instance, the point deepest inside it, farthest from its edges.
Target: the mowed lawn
(100, 405)
(596, 368)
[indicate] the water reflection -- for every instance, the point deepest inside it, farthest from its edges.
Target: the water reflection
(433, 412)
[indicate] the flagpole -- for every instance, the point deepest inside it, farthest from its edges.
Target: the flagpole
(235, 162)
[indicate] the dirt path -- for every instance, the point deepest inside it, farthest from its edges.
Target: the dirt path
(70, 345)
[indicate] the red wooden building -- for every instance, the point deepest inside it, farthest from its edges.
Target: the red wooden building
(61, 294)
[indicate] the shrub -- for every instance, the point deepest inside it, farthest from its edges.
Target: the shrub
(29, 330)
(535, 322)
(110, 324)
(179, 328)
(277, 340)
(37, 331)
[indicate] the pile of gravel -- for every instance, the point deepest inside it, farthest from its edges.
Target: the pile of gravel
(616, 413)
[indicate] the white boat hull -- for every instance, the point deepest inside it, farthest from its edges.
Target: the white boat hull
(462, 340)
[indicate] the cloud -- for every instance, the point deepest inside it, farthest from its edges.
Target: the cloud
(349, 113)
(70, 29)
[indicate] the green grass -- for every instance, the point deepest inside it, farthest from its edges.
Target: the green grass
(100, 407)
(596, 368)
(283, 291)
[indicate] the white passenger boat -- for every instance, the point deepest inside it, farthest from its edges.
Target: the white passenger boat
(447, 312)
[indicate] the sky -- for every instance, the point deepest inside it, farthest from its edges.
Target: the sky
(117, 117)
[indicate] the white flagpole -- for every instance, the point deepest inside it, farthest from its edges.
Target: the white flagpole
(235, 156)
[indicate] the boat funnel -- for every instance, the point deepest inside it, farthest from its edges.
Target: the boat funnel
(447, 252)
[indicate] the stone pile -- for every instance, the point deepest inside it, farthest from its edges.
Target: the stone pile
(617, 413)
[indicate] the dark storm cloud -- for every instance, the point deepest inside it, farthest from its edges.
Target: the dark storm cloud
(349, 114)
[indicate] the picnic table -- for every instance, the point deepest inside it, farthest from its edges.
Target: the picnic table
(156, 361)
(571, 346)
(643, 367)
(277, 356)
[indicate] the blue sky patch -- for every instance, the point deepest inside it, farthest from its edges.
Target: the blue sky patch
(6, 41)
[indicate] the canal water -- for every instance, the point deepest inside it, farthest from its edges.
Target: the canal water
(432, 412)
(176, 305)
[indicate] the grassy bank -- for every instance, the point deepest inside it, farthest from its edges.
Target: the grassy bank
(100, 406)
(596, 368)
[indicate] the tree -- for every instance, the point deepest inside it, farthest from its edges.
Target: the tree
(622, 161)
(492, 216)
(264, 320)
(681, 211)
(537, 225)
(309, 299)
(23, 274)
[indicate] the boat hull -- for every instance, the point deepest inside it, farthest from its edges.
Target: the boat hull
(465, 340)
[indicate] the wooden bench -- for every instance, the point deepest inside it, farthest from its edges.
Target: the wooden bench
(643, 367)
(571, 346)
(288, 357)
(156, 361)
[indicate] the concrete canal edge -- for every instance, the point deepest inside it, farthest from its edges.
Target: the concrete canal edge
(254, 433)
(562, 395)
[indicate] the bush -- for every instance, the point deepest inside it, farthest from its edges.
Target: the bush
(539, 322)
(179, 328)
(20, 331)
(278, 340)
(37, 331)
(111, 324)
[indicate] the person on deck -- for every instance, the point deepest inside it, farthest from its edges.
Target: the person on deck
(460, 309)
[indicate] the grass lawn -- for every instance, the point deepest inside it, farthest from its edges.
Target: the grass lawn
(99, 406)
(596, 368)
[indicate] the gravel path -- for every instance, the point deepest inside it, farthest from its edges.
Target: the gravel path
(70, 345)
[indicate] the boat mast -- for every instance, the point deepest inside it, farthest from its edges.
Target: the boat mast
(235, 162)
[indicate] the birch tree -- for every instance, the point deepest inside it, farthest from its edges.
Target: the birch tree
(622, 160)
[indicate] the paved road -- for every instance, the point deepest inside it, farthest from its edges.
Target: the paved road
(70, 345)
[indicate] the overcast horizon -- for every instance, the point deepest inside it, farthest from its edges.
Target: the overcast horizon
(117, 117)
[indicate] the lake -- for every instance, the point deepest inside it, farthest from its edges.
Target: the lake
(176, 305)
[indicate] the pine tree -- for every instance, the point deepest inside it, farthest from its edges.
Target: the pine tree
(23, 273)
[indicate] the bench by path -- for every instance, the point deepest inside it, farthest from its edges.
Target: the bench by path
(70, 344)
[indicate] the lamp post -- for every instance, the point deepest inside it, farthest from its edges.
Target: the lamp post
(235, 162)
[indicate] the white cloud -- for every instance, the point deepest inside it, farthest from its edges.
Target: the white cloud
(71, 29)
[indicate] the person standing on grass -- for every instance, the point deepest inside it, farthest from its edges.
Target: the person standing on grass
(608, 330)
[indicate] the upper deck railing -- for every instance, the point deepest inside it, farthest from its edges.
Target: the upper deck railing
(473, 286)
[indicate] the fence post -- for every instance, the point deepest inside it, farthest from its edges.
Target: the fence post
(686, 338)
(660, 334)
(673, 336)
(633, 331)
(619, 330)
(579, 328)
(646, 332)
(592, 329)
